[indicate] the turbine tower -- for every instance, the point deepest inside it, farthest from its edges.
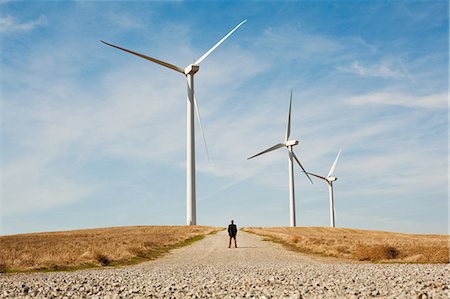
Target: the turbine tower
(329, 179)
(289, 144)
(189, 72)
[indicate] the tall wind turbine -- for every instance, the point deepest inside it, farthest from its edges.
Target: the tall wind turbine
(189, 72)
(289, 144)
(329, 179)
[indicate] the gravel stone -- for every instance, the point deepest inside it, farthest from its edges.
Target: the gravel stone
(257, 269)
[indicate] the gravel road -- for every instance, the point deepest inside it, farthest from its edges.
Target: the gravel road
(257, 269)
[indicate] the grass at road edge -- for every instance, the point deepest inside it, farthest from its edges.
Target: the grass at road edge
(94, 248)
(360, 245)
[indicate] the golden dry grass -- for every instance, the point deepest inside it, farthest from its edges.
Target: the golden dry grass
(93, 247)
(362, 245)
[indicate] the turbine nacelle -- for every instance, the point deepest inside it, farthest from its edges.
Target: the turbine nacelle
(291, 142)
(331, 178)
(191, 69)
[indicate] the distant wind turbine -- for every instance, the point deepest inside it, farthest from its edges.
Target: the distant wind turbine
(189, 72)
(289, 144)
(329, 179)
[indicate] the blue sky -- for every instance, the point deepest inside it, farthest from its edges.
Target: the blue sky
(94, 137)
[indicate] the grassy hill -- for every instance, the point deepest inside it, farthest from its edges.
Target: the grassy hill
(77, 249)
(361, 245)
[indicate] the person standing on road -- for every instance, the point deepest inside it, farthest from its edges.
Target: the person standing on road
(232, 231)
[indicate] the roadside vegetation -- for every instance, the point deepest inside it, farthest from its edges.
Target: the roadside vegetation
(78, 249)
(361, 245)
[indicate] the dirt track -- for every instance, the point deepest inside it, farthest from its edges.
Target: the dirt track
(257, 268)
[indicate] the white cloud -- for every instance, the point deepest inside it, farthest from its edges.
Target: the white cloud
(383, 70)
(438, 100)
(289, 43)
(127, 21)
(30, 184)
(9, 24)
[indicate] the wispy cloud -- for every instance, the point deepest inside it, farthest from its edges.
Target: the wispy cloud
(438, 100)
(31, 185)
(295, 43)
(383, 70)
(125, 21)
(9, 24)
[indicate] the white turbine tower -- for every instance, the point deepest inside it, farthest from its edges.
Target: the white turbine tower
(289, 144)
(189, 72)
(329, 179)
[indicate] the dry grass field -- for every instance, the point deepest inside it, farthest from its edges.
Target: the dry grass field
(362, 245)
(93, 247)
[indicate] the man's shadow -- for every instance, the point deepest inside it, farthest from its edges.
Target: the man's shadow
(247, 247)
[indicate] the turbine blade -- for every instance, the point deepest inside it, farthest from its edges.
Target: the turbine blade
(218, 44)
(317, 176)
(197, 110)
(334, 164)
(288, 128)
(300, 164)
(276, 146)
(168, 65)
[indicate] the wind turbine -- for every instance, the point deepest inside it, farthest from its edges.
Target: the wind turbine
(189, 72)
(289, 144)
(329, 179)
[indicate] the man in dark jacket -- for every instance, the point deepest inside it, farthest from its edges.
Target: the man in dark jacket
(232, 231)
